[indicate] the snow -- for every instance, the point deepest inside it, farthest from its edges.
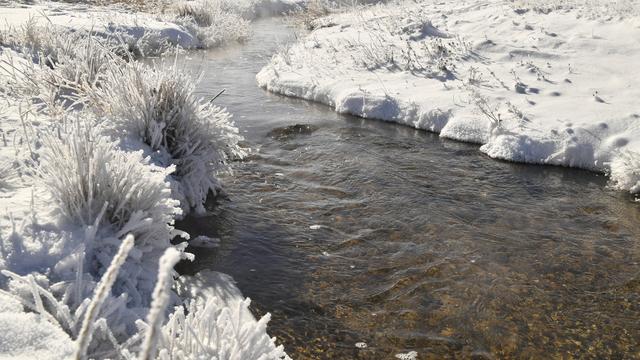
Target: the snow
(32, 337)
(84, 167)
(221, 317)
(100, 20)
(531, 81)
(175, 23)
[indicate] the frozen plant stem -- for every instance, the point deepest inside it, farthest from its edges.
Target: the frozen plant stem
(100, 294)
(160, 299)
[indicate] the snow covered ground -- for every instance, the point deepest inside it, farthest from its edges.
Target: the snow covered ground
(535, 81)
(99, 19)
(99, 154)
(188, 24)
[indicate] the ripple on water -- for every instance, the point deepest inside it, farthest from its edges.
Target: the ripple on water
(421, 244)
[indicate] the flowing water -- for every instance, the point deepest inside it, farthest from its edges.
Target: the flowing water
(349, 230)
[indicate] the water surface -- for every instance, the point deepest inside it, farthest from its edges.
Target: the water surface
(351, 230)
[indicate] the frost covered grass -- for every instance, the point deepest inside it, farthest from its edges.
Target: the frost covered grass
(159, 106)
(311, 13)
(101, 293)
(151, 32)
(216, 330)
(161, 297)
(588, 8)
(250, 9)
(106, 149)
(93, 182)
(54, 44)
(202, 12)
(212, 23)
(153, 104)
(216, 324)
(84, 171)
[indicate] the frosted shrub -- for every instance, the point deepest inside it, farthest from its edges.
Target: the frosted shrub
(90, 179)
(32, 38)
(159, 106)
(212, 22)
(593, 9)
(215, 330)
(63, 64)
(199, 11)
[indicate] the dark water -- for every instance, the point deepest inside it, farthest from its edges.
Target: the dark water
(351, 230)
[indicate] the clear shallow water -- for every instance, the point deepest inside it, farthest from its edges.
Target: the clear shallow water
(351, 230)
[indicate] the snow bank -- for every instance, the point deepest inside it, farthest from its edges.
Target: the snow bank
(151, 33)
(103, 21)
(189, 24)
(544, 87)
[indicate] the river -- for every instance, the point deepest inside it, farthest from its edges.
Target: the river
(357, 231)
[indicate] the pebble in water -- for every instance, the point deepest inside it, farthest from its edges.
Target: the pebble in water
(411, 355)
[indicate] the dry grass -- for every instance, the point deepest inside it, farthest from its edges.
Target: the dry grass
(593, 9)
(138, 5)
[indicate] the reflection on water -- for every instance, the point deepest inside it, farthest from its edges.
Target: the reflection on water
(350, 230)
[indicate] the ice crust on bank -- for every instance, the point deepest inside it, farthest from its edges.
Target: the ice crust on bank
(531, 81)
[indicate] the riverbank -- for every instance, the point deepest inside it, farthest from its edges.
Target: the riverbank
(531, 82)
(156, 27)
(99, 155)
